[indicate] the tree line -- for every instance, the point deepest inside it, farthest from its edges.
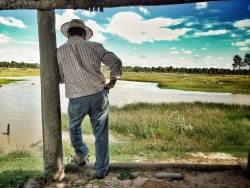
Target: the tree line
(240, 66)
(14, 64)
(170, 69)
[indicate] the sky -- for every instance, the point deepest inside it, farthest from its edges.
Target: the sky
(195, 35)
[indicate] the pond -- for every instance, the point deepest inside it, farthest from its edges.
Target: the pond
(20, 105)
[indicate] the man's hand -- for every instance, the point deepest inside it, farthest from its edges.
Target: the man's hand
(110, 85)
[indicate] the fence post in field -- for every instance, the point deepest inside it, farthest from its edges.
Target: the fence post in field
(50, 97)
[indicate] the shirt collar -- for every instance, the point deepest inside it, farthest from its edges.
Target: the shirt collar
(75, 38)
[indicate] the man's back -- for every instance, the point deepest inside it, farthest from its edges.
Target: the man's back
(80, 63)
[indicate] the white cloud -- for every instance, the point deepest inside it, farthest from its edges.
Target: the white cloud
(26, 42)
(196, 56)
(88, 13)
(4, 39)
(97, 31)
(174, 48)
(242, 24)
(245, 48)
(244, 43)
(138, 30)
(174, 52)
(67, 16)
(203, 48)
(144, 11)
(28, 53)
(201, 5)
(233, 35)
(207, 57)
(187, 52)
(208, 25)
(189, 24)
(13, 22)
(211, 32)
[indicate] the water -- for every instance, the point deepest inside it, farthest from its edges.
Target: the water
(20, 106)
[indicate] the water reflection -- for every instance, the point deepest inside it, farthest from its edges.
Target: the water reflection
(20, 106)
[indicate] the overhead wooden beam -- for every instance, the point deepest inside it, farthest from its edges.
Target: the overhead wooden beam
(86, 4)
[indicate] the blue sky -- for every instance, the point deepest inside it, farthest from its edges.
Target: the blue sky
(198, 35)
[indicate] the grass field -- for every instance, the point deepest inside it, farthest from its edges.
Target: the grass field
(152, 132)
(17, 167)
(9, 81)
(16, 73)
(195, 82)
(19, 72)
(155, 131)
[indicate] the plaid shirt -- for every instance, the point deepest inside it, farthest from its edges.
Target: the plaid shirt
(79, 64)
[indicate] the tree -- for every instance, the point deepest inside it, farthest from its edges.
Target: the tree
(238, 63)
(247, 61)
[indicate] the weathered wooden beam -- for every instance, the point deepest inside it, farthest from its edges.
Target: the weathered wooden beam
(50, 96)
(85, 4)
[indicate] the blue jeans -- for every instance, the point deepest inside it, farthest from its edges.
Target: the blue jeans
(96, 106)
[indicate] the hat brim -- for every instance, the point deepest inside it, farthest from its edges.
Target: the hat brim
(65, 27)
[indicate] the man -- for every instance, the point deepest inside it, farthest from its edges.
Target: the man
(80, 69)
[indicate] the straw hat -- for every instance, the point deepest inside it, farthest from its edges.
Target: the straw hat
(76, 23)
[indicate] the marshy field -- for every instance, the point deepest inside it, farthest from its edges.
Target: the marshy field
(145, 132)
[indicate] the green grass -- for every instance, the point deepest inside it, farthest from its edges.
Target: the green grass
(194, 82)
(17, 167)
(9, 81)
(19, 72)
(184, 127)
(150, 132)
(156, 131)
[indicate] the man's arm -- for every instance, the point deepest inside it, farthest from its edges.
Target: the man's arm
(60, 69)
(110, 85)
(114, 63)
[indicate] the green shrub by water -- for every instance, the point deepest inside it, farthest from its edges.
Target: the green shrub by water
(9, 81)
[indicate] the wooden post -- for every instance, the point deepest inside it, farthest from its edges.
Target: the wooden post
(8, 129)
(50, 96)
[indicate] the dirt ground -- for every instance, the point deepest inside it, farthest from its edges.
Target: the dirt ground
(145, 178)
